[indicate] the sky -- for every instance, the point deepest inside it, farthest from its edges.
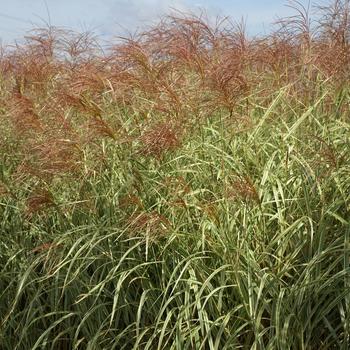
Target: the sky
(117, 17)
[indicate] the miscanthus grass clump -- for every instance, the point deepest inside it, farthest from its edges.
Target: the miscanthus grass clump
(189, 188)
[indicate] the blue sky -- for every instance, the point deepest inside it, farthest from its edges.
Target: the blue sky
(114, 17)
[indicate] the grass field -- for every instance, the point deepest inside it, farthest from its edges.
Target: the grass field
(188, 188)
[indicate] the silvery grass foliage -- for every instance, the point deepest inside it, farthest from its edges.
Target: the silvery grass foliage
(238, 240)
(188, 189)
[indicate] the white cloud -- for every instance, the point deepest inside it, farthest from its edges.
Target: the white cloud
(130, 15)
(117, 17)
